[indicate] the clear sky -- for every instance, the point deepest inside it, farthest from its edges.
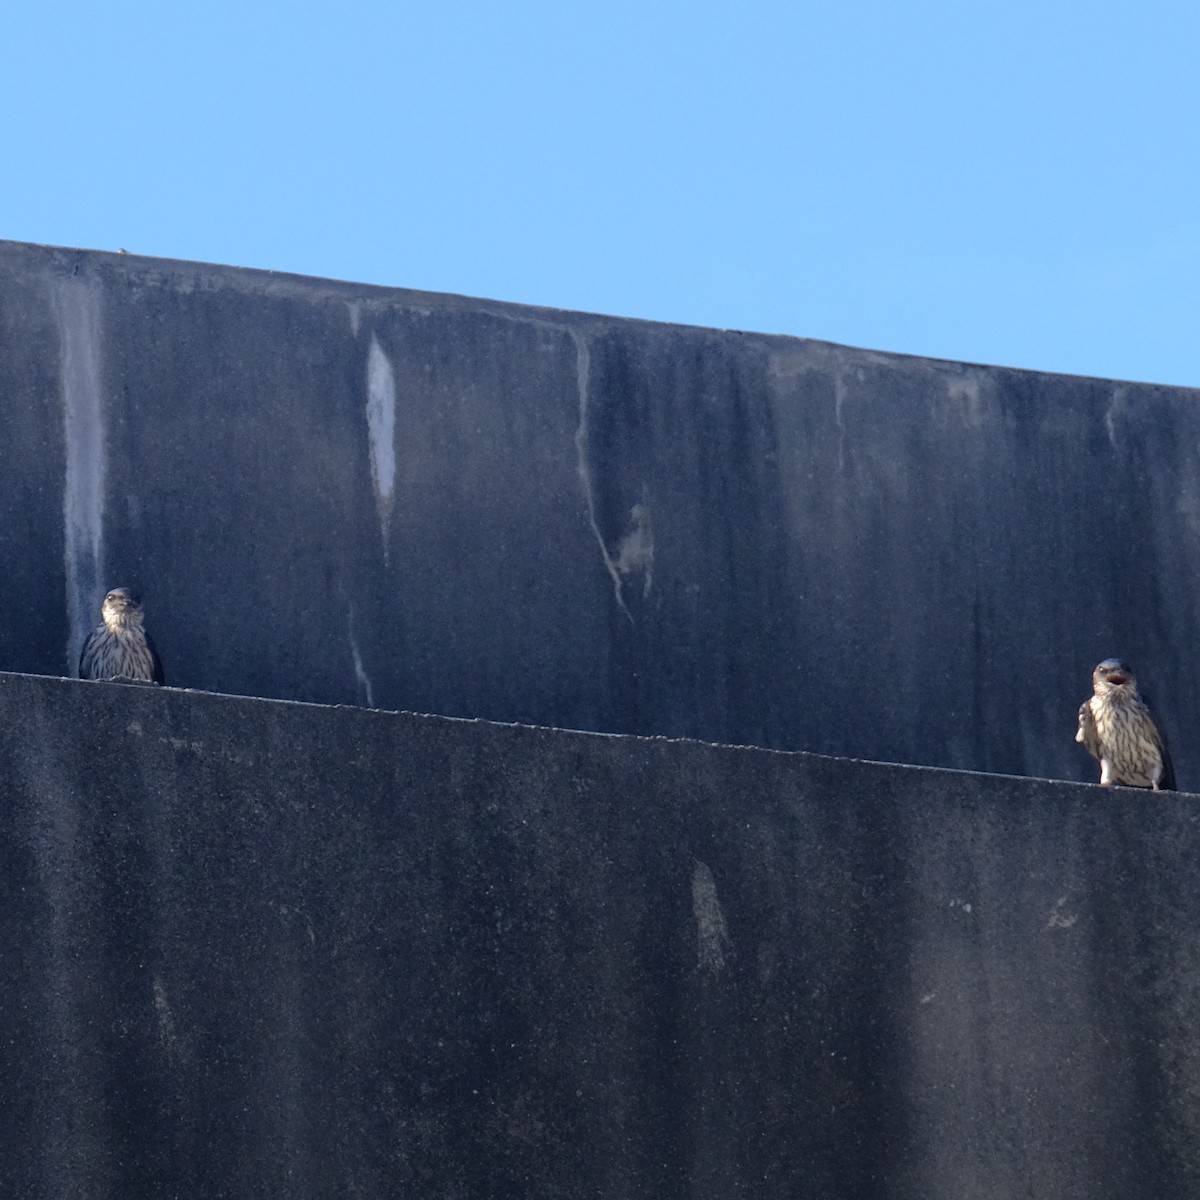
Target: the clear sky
(1012, 182)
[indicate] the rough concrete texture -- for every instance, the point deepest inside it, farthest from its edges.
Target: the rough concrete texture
(279, 950)
(346, 494)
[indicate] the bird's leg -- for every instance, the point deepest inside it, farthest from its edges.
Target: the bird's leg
(1106, 773)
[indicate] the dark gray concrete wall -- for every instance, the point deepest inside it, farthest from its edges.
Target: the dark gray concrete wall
(346, 494)
(264, 949)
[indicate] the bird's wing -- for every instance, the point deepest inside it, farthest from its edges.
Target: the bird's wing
(83, 654)
(1087, 730)
(1166, 780)
(157, 672)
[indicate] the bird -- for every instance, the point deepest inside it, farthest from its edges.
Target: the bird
(1118, 729)
(119, 647)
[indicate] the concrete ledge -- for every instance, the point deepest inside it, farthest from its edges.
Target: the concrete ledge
(265, 949)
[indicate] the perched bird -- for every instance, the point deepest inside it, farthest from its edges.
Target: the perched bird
(119, 647)
(1118, 729)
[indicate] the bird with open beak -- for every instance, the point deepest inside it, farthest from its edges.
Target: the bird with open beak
(1118, 729)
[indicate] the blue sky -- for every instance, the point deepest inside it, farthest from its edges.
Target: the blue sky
(1012, 183)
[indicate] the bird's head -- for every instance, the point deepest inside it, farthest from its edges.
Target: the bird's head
(122, 607)
(1113, 673)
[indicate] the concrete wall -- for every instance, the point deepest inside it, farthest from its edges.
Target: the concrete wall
(278, 950)
(346, 494)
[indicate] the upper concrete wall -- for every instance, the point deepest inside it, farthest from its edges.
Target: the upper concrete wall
(339, 493)
(254, 949)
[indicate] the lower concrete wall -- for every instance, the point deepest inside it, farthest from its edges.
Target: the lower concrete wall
(254, 948)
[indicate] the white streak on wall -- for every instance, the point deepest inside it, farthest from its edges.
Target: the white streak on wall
(1114, 414)
(167, 1035)
(77, 309)
(839, 398)
(364, 680)
(583, 367)
(360, 674)
(635, 554)
(381, 430)
(967, 396)
(712, 935)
